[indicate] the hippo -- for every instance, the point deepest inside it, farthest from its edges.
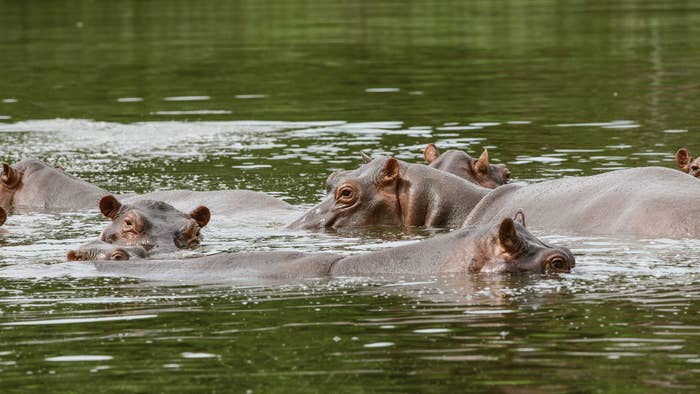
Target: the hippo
(32, 185)
(153, 225)
(648, 202)
(505, 247)
(687, 164)
(459, 163)
(100, 250)
(389, 192)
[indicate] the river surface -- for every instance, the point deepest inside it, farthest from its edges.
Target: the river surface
(138, 96)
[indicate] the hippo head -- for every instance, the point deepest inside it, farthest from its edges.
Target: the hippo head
(10, 181)
(152, 225)
(509, 247)
(687, 164)
(99, 250)
(459, 163)
(363, 197)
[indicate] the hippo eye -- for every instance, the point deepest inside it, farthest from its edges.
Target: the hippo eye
(120, 255)
(345, 194)
(558, 264)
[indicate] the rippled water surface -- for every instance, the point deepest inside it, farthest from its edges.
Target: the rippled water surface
(269, 96)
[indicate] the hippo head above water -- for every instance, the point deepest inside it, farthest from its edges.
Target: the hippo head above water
(100, 250)
(687, 164)
(152, 225)
(459, 163)
(387, 192)
(510, 248)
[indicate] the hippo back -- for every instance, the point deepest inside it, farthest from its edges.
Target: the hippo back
(643, 202)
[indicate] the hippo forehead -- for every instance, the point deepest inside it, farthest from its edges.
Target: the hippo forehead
(368, 173)
(153, 208)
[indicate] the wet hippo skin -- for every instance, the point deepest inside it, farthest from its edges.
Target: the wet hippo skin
(31, 185)
(506, 247)
(641, 202)
(459, 163)
(389, 192)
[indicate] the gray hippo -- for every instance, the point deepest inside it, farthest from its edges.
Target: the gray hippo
(687, 164)
(153, 225)
(100, 250)
(642, 202)
(505, 247)
(459, 163)
(31, 185)
(389, 192)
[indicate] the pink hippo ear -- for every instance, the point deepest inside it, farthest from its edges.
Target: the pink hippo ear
(508, 237)
(365, 158)
(109, 206)
(10, 177)
(683, 159)
(3, 216)
(201, 215)
(520, 217)
(391, 171)
(482, 165)
(431, 153)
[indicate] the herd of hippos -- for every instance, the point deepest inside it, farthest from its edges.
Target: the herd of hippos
(455, 191)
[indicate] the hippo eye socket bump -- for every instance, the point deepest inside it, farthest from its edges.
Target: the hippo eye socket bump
(345, 194)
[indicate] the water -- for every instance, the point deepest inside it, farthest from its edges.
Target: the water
(139, 96)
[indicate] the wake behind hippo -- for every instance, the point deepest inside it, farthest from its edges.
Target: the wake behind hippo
(506, 247)
(648, 202)
(389, 192)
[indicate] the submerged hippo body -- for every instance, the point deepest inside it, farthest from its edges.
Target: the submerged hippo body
(641, 202)
(459, 163)
(152, 225)
(32, 185)
(386, 191)
(506, 247)
(225, 203)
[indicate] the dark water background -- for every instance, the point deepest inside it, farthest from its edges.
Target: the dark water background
(272, 96)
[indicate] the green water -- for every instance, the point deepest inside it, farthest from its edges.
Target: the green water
(272, 96)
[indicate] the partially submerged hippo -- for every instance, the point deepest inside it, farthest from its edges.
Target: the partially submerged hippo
(100, 250)
(153, 225)
(390, 192)
(643, 202)
(505, 247)
(3, 217)
(687, 164)
(459, 163)
(31, 185)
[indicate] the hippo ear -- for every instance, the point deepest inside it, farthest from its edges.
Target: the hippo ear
(109, 206)
(482, 165)
(365, 158)
(391, 171)
(520, 217)
(3, 216)
(431, 153)
(201, 215)
(508, 236)
(10, 177)
(683, 159)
